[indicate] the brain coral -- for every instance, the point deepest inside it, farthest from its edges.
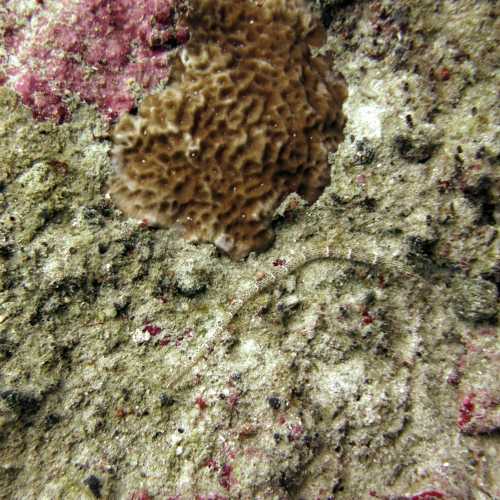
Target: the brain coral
(248, 118)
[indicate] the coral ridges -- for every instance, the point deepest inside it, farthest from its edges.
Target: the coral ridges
(97, 49)
(249, 117)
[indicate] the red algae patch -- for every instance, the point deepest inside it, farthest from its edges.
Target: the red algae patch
(97, 50)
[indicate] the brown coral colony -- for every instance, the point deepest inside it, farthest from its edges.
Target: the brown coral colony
(248, 118)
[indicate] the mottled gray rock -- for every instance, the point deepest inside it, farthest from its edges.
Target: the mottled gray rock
(475, 299)
(191, 279)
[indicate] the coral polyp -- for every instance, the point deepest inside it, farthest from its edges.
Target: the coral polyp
(249, 117)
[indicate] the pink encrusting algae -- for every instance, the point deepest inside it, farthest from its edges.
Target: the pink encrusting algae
(98, 50)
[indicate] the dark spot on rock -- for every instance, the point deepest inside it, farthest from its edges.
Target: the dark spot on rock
(53, 215)
(61, 294)
(365, 152)
(414, 149)
(274, 402)
(7, 347)
(475, 300)
(287, 305)
(421, 254)
(52, 420)
(161, 287)
(6, 250)
(480, 152)
(369, 203)
(94, 485)
(421, 247)
(288, 481)
(492, 275)
(95, 214)
(102, 248)
(480, 194)
(166, 401)
(22, 403)
(337, 200)
(337, 486)
(191, 290)
(129, 246)
(121, 306)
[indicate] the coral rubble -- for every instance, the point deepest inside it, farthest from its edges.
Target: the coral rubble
(249, 118)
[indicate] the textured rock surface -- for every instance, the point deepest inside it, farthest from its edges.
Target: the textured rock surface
(355, 359)
(249, 118)
(103, 52)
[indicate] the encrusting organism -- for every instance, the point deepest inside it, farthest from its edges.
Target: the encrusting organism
(249, 117)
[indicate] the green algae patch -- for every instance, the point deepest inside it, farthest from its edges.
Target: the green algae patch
(16, 123)
(45, 168)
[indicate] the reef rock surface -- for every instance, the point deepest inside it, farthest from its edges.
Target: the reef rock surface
(356, 358)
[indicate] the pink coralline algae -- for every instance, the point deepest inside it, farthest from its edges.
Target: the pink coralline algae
(479, 413)
(476, 374)
(98, 50)
(200, 403)
(466, 410)
(153, 330)
(141, 495)
(423, 495)
(225, 476)
(428, 495)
